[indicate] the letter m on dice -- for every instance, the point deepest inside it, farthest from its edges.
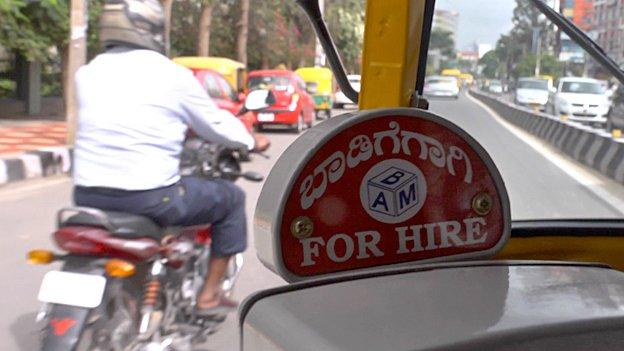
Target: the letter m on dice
(393, 191)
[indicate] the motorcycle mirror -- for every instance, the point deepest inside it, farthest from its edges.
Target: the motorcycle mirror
(259, 99)
(253, 176)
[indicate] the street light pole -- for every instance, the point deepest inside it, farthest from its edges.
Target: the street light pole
(77, 55)
(537, 42)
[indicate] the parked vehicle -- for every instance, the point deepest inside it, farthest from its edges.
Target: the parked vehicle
(441, 86)
(340, 99)
(233, 71)
(495, 87)
(581, 99)
(615, 116)
(532, 92)
(293, 105)
(218, 87)
(319, 83)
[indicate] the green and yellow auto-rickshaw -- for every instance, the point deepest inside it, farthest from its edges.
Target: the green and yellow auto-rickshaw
(319, 83)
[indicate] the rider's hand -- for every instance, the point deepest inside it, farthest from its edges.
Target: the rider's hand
(261, 143)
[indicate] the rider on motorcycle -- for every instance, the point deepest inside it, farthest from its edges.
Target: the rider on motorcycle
(135, 106)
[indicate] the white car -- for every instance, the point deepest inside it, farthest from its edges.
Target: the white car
(340, 99)
(495, 87)
(581, 99)
(532, 92)
(442, 86)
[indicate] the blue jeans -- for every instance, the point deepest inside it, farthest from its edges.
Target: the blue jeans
(191, 201)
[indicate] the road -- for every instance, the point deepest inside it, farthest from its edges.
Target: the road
(542, 184)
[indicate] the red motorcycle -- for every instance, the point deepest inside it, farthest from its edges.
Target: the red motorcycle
(125, 282)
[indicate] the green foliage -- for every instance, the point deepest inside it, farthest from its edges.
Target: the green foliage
(279, 31)
(514, 48)
(345, 19)
(490, 63)
(549, 66)
(7, 87)
(32, 27)
(443, 41)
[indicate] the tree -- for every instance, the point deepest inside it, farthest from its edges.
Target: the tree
(526, 18)
(243, 29)
(39, 31)
(549, 66)
(508, 52)
(167, 7)
(205, 23)
(345, 19)
(490, 64)
(443, 41)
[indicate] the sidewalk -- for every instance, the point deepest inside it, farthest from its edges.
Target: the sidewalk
(32, 148)
(17, 136)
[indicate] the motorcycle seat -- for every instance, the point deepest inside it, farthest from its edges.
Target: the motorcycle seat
(120, 224)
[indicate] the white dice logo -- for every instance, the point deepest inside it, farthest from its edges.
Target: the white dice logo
(393, 191)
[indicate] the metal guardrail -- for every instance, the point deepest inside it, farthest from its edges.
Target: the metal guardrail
(594, 148)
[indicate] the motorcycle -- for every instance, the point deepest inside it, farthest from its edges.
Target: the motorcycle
(128, 284)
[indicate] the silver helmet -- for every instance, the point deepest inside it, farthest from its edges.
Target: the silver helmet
(136, 23)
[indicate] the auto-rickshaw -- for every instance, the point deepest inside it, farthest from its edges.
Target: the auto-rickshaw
(454, 72)
(339, 219)
(235, 72)
(467, 79)
(549, 79)
(319, 83)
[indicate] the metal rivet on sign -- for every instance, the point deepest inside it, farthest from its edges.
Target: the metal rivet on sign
(482, 203)
(301, 227)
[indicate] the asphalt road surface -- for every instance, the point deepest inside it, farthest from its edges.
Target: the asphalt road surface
(542, 184)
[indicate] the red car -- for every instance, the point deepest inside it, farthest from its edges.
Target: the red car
(294, 107)
(224, 95)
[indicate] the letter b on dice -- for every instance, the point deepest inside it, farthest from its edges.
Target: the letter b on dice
(393, 191)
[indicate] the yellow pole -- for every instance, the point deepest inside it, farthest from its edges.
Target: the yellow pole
(391, 50)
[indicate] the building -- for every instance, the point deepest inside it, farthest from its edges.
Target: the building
(579, 12)
(582, 13)
(607, 28)
(446, 21)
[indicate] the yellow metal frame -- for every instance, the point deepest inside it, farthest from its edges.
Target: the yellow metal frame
(392, 37)
(603, 249)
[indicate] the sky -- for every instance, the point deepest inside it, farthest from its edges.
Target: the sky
(482, 21)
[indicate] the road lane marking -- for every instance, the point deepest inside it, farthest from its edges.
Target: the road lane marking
(577, 172)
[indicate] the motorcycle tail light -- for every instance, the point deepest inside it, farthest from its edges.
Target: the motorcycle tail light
(40, 257)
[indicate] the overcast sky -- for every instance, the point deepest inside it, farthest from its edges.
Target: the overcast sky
(482, 21)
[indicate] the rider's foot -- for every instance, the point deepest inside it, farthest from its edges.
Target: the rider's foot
(215, 303)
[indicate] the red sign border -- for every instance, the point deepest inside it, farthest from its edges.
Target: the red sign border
(267, 218)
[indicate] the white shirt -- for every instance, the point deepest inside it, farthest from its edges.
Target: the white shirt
(135, 107)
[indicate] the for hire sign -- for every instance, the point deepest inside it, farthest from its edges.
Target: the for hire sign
(377, 188)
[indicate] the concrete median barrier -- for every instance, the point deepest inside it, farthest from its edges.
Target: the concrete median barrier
(34, 164)
(592, 147)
